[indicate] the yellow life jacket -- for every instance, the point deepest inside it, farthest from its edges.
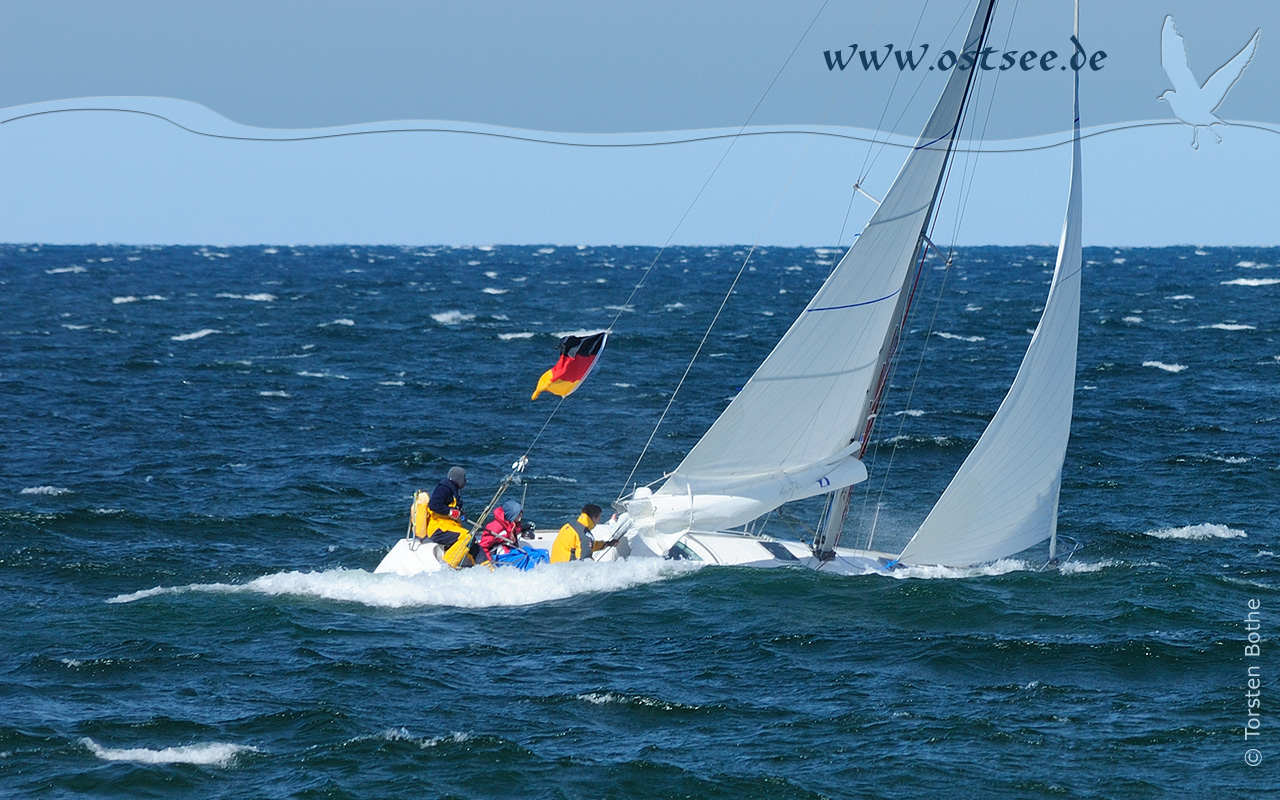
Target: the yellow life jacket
(427, 522)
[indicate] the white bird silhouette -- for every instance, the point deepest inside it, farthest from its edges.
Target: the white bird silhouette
(1192, 103)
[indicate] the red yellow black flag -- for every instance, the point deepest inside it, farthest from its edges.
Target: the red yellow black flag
(577, 357)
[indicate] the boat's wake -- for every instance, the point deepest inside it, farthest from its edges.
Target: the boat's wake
(471, 588)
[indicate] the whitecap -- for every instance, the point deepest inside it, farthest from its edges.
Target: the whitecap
(1198, 533)
(75, 327)
(491, 290)
(391, 383)
(61, 270)
(133, 299)
(261, 297)
(200, 334)
(959, 337)
(1228, 326)
(452, 317)
(217, 754)
(1132, 320)
(491, 274)
(471, 588)
(323, 375)
(46, 490)
(1246, 264)
(910, 412)
(343, 321)
(273, 394)
(1164, 366)
(506, 337)
(1252, 282)
(1182, 297)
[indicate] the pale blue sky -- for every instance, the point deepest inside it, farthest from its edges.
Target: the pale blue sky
(597, 68)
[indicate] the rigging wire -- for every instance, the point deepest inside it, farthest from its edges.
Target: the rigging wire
(754, 246)
(968, 174)
(666, 244)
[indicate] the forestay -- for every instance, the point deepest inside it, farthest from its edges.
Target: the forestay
(802, 412)
(1004, 499)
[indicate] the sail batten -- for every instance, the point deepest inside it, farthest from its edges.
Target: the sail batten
(809, 400)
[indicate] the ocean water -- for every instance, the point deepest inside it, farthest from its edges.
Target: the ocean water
(206, 451)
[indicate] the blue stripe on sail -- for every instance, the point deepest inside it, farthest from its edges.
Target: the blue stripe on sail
(852, 305)
(940, 138)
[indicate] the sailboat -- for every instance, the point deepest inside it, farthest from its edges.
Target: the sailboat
(800, 426)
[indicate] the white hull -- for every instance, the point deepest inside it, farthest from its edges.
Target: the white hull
(409, 557)
(729, 549)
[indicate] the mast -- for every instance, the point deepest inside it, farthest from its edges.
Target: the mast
(1075, 145)
(831, 526)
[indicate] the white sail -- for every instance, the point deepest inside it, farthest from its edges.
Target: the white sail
(807, 403)
(1004, 499)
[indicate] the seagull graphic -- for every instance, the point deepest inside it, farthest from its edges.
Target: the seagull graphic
(1192, 103)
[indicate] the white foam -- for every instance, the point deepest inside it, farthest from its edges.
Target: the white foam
(75, 327)
(403, 735)
(1198, 533)
(1132, 320)
(1228, 326)
(491, 290)
(261, 297)
(1252, 282)
(491, 274)
(1084, 567)
(1230, 459)
(200, 334)
(1182, 297)
(61, 270)
(49, 490)
(452, 317)
(273, 394)
(323, 375)
(960, 338)
(391, 383)
(910, 412)
(506, 337)
(217, 754)
(343, 321)
(1001, 567)
(607, 698)
(1164, 366)
(468, 588)
(133, 299)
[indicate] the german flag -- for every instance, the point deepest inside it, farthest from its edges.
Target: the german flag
(577, 357)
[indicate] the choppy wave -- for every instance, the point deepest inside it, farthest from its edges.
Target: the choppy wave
(1164, 366)
(1228, 326)
(473, 588)
(506, 337)
(217, 754)
(1199, 532)
(1252, 282)
(958, 337)
(452, 317)
(261, 297)
(49, 490)
(200, 334)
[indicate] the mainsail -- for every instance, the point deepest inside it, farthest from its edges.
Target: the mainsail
(1004, 499)
(794, 430)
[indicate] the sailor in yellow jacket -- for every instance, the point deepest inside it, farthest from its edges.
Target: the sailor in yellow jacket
(575, 541)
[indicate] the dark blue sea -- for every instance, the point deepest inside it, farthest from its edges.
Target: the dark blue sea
(206, 451)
